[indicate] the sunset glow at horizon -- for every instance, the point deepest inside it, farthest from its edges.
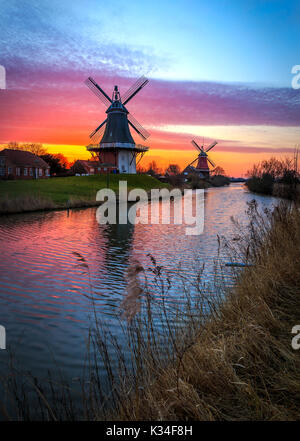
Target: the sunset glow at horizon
(215, 74)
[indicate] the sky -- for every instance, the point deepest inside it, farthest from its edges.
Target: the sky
(218, 70)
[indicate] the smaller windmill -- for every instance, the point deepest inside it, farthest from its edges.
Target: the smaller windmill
(203, 159)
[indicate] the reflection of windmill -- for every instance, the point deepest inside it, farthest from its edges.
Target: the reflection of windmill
(117, 146)
(203, 159)
(116, 252)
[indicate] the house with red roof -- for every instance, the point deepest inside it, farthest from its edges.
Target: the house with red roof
(19, 164)
(92, 167)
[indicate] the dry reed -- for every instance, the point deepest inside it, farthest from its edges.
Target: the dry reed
(238, 363)
(20, 204)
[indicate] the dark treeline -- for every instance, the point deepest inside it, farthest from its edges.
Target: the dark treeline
(278, 177)
(176, 177)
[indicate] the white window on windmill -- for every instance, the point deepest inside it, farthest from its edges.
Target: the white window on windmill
(40, 172)
(18, 171)
(25, 171)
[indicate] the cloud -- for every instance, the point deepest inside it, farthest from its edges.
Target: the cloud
(203, 103)
(39, 39)
(48, 56)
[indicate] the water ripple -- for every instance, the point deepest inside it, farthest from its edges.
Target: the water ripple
(45, 293)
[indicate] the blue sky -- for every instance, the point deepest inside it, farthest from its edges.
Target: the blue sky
(220, 40)
(244, 41)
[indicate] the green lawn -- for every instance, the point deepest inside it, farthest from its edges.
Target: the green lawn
(75, 188)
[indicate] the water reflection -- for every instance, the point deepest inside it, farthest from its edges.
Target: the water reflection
(115, 244)
(44, 293)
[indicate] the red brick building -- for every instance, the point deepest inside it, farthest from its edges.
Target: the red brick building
(18, 164)
(92, 167)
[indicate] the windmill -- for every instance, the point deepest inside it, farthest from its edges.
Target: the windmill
(202, 158)
(117, 146)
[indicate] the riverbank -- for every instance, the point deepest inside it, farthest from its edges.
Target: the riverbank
(276, 177)
(277, 189)
(214, 181)
(238, 364)
(62, 193)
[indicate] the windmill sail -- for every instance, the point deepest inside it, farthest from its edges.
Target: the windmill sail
(196, 145)
(96, 131)
(211, 162)
(138, 127)
(98, 91)
(137, 86)
(211, 146)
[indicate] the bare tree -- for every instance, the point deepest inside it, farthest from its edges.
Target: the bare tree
(173, 169)
(218, 171)
(36, 149)
(153, 169)
(140, 169)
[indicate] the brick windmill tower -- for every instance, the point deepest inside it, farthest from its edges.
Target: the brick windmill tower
(117, 147)
(203, 159)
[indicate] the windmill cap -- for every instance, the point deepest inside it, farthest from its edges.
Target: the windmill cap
(117, 106)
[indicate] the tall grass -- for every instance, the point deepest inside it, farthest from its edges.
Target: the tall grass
(222, 355)
(36, 202)
(20, 204)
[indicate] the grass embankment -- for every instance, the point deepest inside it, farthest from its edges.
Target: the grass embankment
(238, 364)
(76, 191)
